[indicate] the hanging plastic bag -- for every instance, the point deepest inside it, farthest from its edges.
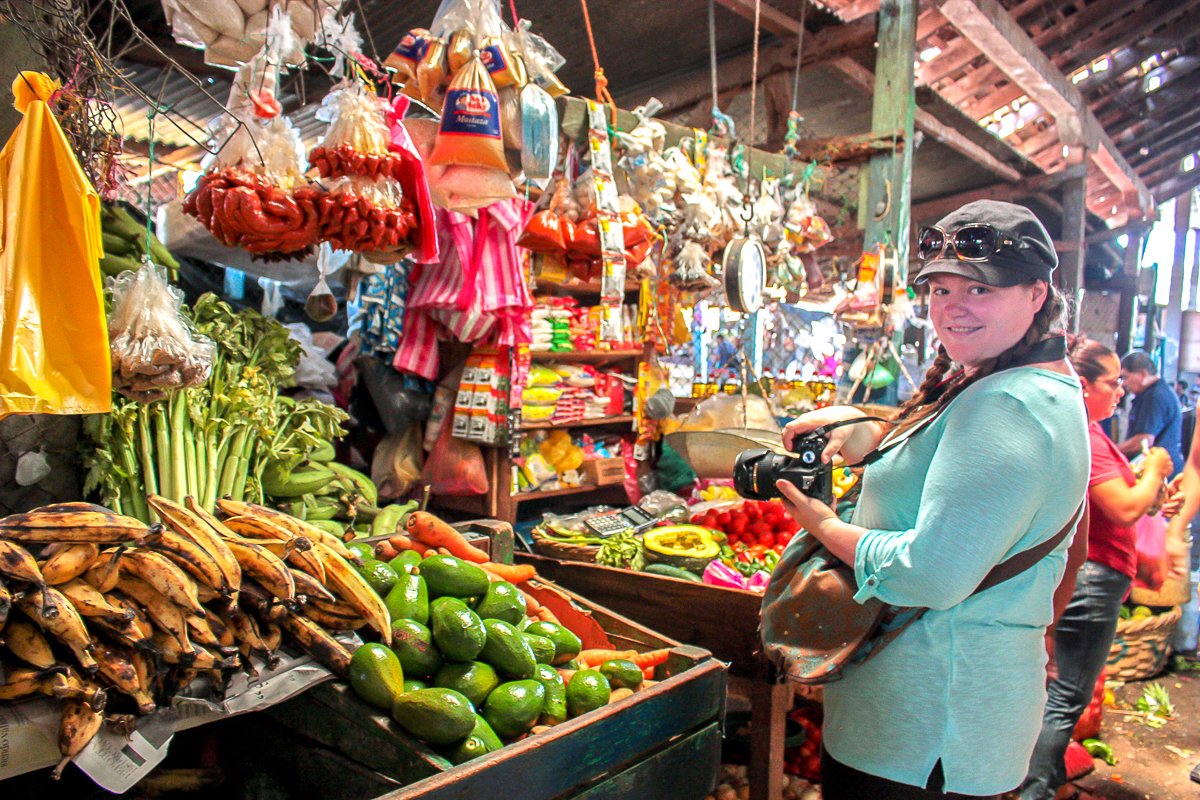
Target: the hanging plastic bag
(396, 465)
(470, 133)
(54, 349)
(153, 346)
(541, 60)
(1151, 552)
(539, 133)
(455, 467)
(321, 305)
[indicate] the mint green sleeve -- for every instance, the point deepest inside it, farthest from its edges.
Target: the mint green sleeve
(989, 476)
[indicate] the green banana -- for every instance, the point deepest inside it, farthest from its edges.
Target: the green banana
(115, 245)
(296, 508)
(324, 453)
(387, 522)
(329, 526)
(114, 265)
(361, 482)
(314, 509)
(305, 479)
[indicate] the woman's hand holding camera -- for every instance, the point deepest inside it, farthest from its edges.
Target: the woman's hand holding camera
(852, 442)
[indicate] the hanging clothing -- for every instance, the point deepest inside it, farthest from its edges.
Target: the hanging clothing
(477, 291)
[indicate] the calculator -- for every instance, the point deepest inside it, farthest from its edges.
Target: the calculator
(633, 518)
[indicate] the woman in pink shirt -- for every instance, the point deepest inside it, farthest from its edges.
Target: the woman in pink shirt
(1084, 633)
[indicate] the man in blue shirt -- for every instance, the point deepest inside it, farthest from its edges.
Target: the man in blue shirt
(1155, 417)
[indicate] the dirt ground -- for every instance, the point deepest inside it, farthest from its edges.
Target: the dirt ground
(1152, 763)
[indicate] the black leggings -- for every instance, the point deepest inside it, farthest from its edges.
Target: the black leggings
(840, 782)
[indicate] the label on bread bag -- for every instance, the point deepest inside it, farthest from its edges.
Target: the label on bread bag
(411, 48)
(471, 112)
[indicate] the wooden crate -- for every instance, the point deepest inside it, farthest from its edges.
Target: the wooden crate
(721, 621)
(662, 742)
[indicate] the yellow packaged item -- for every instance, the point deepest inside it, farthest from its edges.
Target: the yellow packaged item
(458, 53)
(537, 413)
(505, 67)
(408, 54)
(541, 396)
(560, 452)
(431, 70)
(54, 355)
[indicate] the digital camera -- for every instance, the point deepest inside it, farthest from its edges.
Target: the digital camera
(756, 471)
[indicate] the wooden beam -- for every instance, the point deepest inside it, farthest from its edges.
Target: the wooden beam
(770, 18)
(1131, 135)
(1155, 139)
(850, 10)
(1071, 263)
(931, 125)
(1110, 234)
(1130, 28)
(1171, 148)
(935, 209)
(963, 90)
(994, 32)
(956, 56)
(997, 35)
(990, 102)
(682, 91)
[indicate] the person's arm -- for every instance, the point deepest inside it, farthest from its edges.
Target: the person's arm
(1133, 445)
(1124, 504)
(1177, 527)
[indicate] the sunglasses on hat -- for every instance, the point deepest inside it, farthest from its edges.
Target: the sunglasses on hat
(972, 242)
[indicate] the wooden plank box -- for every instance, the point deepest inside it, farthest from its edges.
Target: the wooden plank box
(721, 621)
(662, 742)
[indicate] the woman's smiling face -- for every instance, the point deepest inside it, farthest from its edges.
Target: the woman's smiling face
(977, 322)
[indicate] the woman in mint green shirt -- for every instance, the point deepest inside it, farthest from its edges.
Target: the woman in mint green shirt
(995, 461)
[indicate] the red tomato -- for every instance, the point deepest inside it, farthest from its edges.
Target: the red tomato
(751, 511)
(759, 528)
(724, 518)
(745, 557)
(739, 546)
(738, 526)
(767, 539)
(779, 548)
(732, 538)
(759, 549)
(783, 537)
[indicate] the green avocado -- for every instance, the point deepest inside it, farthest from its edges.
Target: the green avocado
(407, 561)
(412, 684)
(457, 631)
(381, 577)
(448, 576)
(554, 707)
(376, 675)
(513, 708)
(436, 716)
(508, 650)
(543, 648)
(481, 741)
(361, 549)
(473, 679)
(566, 643)
(413, 644)
(503, 601)
(587, 691)
(622, 674)
(408, 599)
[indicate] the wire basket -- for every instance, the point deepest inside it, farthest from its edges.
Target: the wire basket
(1141, 646)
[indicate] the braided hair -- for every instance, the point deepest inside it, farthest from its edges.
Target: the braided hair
(943, 382)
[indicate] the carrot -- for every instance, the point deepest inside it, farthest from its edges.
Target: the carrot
(402, 542)
(513, 573)
(386, 551)
(594, 658)
(535, 609)
(431, 531)
(648, 674)
(567, 674)
(652, 659)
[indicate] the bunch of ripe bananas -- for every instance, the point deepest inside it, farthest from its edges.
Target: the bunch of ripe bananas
(92, 601)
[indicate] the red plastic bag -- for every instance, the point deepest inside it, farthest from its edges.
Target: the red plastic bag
(455, 467)
(585, 240)
(1151, 552)
(543, 233)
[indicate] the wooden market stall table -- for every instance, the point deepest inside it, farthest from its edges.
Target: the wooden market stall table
(721, 621)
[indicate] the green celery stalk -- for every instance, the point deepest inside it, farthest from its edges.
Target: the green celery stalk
(178, 455)
(146, 447)
(232, 463)
(163, 438)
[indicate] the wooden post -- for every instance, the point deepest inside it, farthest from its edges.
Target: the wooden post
(1073, 256)
(1177, 301)
(769, 704)
(886, 214)
(1129, 296)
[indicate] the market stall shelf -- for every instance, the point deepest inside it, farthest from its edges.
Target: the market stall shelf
(662, 742)
(722, 621)
(625, 419)
(588, 356)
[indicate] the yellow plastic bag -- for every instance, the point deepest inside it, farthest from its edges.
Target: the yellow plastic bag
(53, 335)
